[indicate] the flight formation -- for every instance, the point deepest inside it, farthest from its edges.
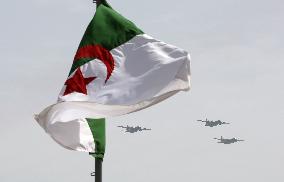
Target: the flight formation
(212, 123)
(208, 123)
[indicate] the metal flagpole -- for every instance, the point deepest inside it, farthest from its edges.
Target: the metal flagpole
(97, 127)
(97, 2)
(98, 160)
(98, 169)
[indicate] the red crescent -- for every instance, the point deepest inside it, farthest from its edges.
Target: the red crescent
(97, 52)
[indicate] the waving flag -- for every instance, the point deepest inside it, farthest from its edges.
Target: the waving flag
(117, 69)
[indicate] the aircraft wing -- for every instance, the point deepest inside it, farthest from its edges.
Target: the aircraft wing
(240, 140)
(225, 123)
(121, 127)
(146, 129)
(217, 138)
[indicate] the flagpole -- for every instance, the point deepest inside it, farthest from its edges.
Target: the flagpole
(98, 169)
(98, 2)
(98, 160)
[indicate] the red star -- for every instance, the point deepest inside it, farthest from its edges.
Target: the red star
(77, 83)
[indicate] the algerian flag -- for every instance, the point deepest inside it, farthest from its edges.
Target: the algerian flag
(118, 69)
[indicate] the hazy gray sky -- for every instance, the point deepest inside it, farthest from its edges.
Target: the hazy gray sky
(237, 76)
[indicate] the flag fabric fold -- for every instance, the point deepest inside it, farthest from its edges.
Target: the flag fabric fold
(117, 69)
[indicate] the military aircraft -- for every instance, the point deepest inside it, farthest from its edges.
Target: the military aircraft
(131, 129)
(228, 141)
(213, 123)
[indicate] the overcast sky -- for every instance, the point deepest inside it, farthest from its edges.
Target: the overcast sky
(237, 76)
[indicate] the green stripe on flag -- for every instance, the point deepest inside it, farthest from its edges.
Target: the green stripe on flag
(109, 29)
(97, 127)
